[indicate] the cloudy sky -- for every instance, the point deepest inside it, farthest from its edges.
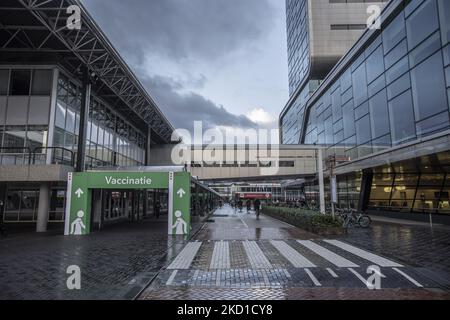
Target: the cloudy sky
(219, 61)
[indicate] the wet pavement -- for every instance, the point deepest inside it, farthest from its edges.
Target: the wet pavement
(231, 257)
(237, 257)
(115, 263)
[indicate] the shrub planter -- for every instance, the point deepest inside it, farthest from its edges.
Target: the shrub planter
(312, 221)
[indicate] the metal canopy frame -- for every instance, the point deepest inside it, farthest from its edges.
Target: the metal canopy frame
(40, 26)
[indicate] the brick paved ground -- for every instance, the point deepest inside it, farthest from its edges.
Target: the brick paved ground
(115, 263)
(415, 245)
(118, 262)
(420, 252)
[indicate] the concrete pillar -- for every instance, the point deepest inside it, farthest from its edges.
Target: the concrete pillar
(321, 183)
(44, 206)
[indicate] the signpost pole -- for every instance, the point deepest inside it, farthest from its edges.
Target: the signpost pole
(170, 204)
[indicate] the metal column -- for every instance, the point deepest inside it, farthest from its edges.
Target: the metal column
(84, 115)
(366, 187)
(321, 183)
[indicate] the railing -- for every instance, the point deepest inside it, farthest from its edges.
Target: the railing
(59, 155)
(15, 156)
(26, 157)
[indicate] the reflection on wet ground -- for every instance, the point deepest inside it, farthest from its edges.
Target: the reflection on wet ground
(240, 257)
(231, 224)
(115, 263)
(415, 245)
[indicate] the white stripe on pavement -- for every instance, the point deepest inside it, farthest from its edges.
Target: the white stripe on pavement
(409, 278)
(313, 278)
(294, 257)
(255, 255)
(186, 256)
(360, 277)
(335, 259)
(379, 261)
(171, 278)
(221, 256)
(333, 274)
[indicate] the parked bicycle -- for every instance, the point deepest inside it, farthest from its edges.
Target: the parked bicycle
(353, 217)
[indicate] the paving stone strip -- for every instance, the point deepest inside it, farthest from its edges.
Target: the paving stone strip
(221, 256)
(255, 255)
(184, 260)
(294, 257)
(335, 259)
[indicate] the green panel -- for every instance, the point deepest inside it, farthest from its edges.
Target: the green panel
(181, 204)
(83, 183)
(80, 206)
(128, 180)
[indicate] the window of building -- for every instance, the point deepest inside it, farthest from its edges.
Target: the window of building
(422, 23)
(401, 116)
(20, 82)
(42, 82)
(399, 86)
(359, 85)
(349, 119)
(4, 81)
(379, 115)
(287, 164)
(60, 117)
(394, 33)
(380, 194)
(428, 83)
(444, 18)
(433, 124)
(363, 134)
(375, 64)
(362, 110)
(403, 192)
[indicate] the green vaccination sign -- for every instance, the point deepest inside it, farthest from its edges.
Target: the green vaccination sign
(80, 186)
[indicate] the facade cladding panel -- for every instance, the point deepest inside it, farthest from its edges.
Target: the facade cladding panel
(319, 33)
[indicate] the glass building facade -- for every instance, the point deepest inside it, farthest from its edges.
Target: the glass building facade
(25, 99)
(395, 91)
(391, 90)
(298, 42)
(26, 121)
(111, 139)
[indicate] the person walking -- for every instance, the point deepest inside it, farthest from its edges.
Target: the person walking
(157, 209)
(257, 205)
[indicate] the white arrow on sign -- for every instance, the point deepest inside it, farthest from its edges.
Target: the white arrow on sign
(79, 192)
(181, 192)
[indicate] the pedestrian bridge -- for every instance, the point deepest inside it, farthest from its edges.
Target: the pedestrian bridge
(236, 163)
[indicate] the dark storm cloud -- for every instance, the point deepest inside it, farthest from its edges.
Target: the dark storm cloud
(183, 109)
(203, 29)
(176, 30)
